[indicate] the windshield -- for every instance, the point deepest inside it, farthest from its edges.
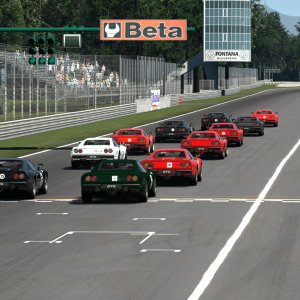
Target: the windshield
(203, 135)
(264, 112)
(223, 126)
(247, 119)
(173, 123)
(161, 154)
(11, 164)
(129, 132)
(111, 165)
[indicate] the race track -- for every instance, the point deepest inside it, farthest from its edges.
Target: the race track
(56, 247)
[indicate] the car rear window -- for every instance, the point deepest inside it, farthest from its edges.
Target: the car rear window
(223, 126)
(161, 154)
(173, 123)
(11, 164)
(129, 132)
(97, 143)
(216, 115)
(246, 119)
(264, 112)
(116, 166)
(203, 135)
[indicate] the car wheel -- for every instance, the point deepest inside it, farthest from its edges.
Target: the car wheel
(32, 191)
(199, 178)
(143, 197)
(86, 197)
(125, 155)
(260, 133)
(226, 152)
(148, 150)
(194, 179)
(75, 164)
(275, 124)
(152, 191)
(203, 128)
(242, 142)
(152, 148)
(222, 155)
(157, 140)
(239, 143)
(44, 188)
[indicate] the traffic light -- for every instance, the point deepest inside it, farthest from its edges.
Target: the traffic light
(51, 50)
(32, 50)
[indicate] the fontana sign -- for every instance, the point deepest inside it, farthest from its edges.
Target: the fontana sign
(143, 30)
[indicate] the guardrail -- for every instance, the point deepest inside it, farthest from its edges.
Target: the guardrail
(24, 127)
(206, 94)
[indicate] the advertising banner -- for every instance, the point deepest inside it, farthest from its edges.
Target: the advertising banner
(227, 55)
(143, 30)
(155, 99)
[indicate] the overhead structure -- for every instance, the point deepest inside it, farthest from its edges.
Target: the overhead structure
(227, 30)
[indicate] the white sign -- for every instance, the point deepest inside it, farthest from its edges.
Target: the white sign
(155, 99)
(227, 55)
(114, 178)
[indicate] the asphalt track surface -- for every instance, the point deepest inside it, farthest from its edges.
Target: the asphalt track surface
(56, 247)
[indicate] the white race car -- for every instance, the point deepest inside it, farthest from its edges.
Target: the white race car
(91, 150)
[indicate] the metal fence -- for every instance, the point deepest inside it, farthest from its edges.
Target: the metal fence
(78, 82)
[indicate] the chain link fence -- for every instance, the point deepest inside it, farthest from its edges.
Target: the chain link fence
(78, 82)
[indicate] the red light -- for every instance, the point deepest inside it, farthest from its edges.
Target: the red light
(215, 143)
(185, 164)
(15, 176)
(148, 165)
(186, 143)
(233, 132)
(129, 178)
(79, 150)
(94, 178)
(141, 139)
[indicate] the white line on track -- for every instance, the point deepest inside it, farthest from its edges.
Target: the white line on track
(161, 219)
(161, 250)
(146, 238)
(213, 268)
(38, 214)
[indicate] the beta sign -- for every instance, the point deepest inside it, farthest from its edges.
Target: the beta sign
(143, 30)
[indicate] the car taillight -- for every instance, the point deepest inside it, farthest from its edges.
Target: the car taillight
(109, 150)
(91, 178)
(182, 129)
(257, 125)
(233, 132)
(18, 176)
(141, 140)
(204, 120)
(215, 143)
(159, 129)
(223, 120)
(186, 143)
(78, 150)
(133, 178)
(185, 164)
(148, 165)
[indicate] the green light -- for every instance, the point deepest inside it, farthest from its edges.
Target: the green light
(32, 41)
(42, 40)
(51, 61)
(42, 61)
(42, 50)
(32, 60)
(32, 51)
(51, 50)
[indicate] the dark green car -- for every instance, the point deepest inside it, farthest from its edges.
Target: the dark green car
(112, 177)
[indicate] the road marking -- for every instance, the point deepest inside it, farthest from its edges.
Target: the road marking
(146, 238)
(9, 201)
(213, 268)
(38, 214)
(134, 233)
(161, 219)
(160, 250)
(184, 200)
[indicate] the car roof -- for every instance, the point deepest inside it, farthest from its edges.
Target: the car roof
(131, 129)
(223, 123)
(98, 138)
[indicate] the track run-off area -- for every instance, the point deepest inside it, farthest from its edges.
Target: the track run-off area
(236, 235)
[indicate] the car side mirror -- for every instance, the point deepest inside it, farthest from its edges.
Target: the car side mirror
(40, 166)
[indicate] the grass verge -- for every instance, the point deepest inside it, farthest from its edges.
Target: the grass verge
(51, 139)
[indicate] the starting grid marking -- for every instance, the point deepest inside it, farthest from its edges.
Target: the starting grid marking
(175, 200)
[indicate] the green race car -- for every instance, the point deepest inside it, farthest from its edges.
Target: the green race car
(114, 177)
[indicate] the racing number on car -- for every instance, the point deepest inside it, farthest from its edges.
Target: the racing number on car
(223, 133)
(2, 176)
(129, 140)
(169, 165)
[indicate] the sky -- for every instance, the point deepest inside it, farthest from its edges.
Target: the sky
(287, 7)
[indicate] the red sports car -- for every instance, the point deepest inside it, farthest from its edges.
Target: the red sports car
(171, 163)
(206, 142)
(135, 139)
(267, 116)
(230, 132)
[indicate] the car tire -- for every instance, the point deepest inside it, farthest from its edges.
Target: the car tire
(199, 177)
(125, 156)
(260, 133)
(143, 197)
(157, 140)
(275, 124)
(86, 197)
(222, 155)
(44, 188)
(239, 143)
(148, 150)
(152, 191)
(32, 192)
(194, 179)
(75, 164)
(226, 152)
(203, 128)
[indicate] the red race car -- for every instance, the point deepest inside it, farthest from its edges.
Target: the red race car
(171, 163)
(267, 116)
(206, 142)
(135, 139)
(230, 132)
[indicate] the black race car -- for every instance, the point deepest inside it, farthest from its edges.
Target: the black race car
(250, 124)
(215, 117)
(172, 130)
(21, 176)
